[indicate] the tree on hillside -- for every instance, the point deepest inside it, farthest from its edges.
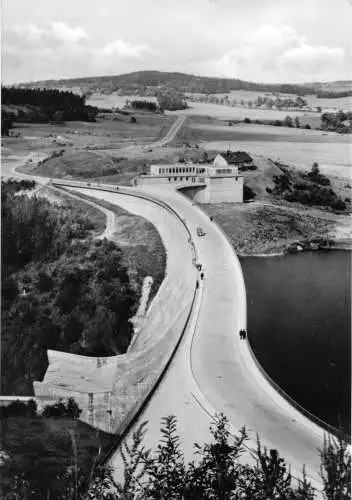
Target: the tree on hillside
(7, 120)
(297, 122)
(288, 121)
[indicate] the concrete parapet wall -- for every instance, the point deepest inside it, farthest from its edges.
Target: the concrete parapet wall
(111, 390)
(229, 190)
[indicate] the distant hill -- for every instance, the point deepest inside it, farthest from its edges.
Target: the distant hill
(149, 83)
(337, 86)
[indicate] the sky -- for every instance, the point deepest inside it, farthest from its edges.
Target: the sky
(258, 40)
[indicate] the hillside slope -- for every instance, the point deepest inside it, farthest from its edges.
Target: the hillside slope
(150, 82)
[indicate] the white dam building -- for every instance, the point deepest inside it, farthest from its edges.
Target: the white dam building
(218, 182)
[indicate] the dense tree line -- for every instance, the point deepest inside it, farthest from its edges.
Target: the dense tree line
(145, 105)
(329, 94)
(60, 290)
(7, 120)
(46, 105)
(218, 471)
(340, 122)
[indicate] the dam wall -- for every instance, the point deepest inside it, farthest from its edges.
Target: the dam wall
(110, 390)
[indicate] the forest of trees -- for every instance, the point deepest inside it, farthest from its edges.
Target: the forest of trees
(60, 289)
(146, 105)
(340, 122)
(44, 105)
(171, 101)
(218, 472)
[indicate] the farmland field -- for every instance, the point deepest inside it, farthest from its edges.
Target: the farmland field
(344, 103)
(253, 132)
(234, 113)
(333, 158)
(298, 147)
(114, 132)
(114, 100)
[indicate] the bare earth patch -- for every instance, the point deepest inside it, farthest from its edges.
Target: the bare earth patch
(262, 228)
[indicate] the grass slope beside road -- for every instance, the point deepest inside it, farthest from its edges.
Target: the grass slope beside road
(143, 250)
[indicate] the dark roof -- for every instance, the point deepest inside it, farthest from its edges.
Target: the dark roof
(236, 157)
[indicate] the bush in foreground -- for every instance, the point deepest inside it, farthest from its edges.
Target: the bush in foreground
(219, 472)
(57, 458)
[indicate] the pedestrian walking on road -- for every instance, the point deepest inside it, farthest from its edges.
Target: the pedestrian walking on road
(202, 276)
(243, 334)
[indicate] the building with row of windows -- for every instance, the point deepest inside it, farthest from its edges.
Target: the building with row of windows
(218, 182)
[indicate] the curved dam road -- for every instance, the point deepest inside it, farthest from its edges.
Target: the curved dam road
(214, 371)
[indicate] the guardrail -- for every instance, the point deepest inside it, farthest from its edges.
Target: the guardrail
(318, 421)
(138, 410)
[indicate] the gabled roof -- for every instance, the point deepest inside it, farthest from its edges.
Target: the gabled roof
(220, 161)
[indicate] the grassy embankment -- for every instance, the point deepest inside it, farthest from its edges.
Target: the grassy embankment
(143, 250)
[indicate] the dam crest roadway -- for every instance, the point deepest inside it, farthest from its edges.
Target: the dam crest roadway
(205, 367)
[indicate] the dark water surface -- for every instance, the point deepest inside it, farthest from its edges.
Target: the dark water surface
(299, 326)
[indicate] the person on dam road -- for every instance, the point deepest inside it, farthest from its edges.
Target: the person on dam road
(202, 276)
(243, 334)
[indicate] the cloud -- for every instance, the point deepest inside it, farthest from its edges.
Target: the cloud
(124, 50)
(30, 35)
(308, 59)
(65, 33)
(58, 50)
(275, 53)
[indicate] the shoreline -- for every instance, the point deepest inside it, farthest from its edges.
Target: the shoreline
(288, 250)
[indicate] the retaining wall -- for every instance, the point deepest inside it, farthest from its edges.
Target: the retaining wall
(111, 390)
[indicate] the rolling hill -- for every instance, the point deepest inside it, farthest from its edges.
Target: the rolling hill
(148, 83)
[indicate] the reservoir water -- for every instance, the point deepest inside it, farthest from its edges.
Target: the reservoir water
(299, 326)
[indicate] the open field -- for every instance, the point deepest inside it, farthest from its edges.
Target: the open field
(115, 131)
(297, 147)
(344, 103)
(253, 132)
(114, 100)
(234, 113)
(333, 159)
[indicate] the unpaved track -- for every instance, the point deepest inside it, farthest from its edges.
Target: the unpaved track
(170, 136)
